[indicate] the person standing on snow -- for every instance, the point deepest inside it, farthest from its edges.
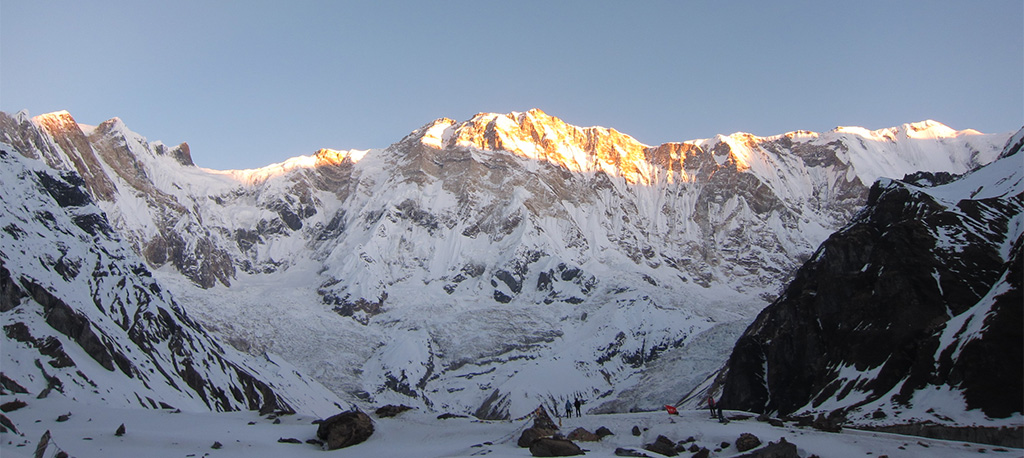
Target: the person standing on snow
(568, 409)
(577, 404)
(711, 405)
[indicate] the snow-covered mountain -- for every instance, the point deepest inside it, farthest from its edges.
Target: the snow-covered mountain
(910, 314)
(82, 314)
(487, 265)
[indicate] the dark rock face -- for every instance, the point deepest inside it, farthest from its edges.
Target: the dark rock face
(94, 295)
(345, 429)
(896, 292)
(554, 447)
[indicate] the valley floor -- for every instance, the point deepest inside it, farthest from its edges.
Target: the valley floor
(89, 432)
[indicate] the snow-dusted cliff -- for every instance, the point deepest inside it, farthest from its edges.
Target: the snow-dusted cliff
(487, 265)
(82, 314)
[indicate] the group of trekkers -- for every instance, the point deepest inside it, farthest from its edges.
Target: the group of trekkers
(569, 406)
(716, 409)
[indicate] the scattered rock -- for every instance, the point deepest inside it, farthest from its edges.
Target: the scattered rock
(724, 445)
(64, 417)
(694, 448)
(703, 452)
(391, 410)
(636, 430)
(922, 444)
(13, 405)
(216, 445)
(120, 430)
(630, 452)
(581, 434)
(603, 432)
(554, 447)
(345, 429)
(290, 440)
(747, 441)
(662, 445)
(61, 454)
(277, 421)
(776, 422)
(690, 439)
(252, 423)
(316, 442)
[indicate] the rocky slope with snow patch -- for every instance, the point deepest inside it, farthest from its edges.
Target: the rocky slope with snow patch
(486, 265)
(82, 314)
(910, 314)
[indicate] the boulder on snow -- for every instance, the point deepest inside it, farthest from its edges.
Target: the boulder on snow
(832, 423)
(581, 434)
(603, 432)
(530, 435)
(782, 449)
(120, 430)
(391, 410)
(747, 441)
(662, 445)
(636, 430)
(554, 447)
(345, 429)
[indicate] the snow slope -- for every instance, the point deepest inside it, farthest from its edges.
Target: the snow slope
(90, 432)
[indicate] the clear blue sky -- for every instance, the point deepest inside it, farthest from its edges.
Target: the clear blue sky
(249, 83)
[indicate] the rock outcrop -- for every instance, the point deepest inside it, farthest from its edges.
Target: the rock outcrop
(918, 297)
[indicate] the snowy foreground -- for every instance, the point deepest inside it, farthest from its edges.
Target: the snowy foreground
(90, 432)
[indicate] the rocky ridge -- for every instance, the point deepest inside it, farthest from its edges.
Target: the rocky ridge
(908, 315)
(82, 314)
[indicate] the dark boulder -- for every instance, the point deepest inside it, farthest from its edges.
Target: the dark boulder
(603, 432)
(581, 434)
(782, 449)
(391, 410)
(345, 429)
(747, 441)
(554, 447)
(530, 435)
(636, 430)
(630, 452)
(662, 445)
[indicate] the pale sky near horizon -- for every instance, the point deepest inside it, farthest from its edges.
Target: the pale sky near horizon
(251, 83)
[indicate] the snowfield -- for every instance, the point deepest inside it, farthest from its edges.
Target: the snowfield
(89, 432)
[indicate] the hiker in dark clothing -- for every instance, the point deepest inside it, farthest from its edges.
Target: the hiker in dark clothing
(721, 417)
(577, 404)
(711, 405)
(568, 409)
